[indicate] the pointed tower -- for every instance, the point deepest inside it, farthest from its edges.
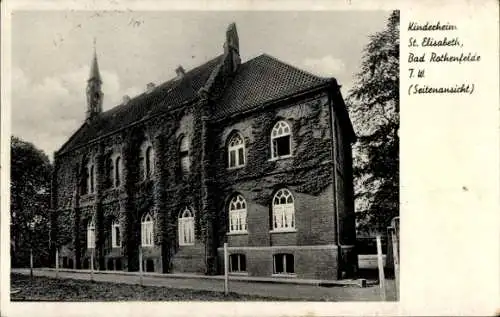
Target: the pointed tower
(94, 92)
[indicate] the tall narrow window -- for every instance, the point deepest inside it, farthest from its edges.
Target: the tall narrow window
(281, 142)
(283, 263)
(238, 215)
(186, 228)
(118, 169)
(147, 230)
(91, 234)
(149, 162)
(116, 234)
(283, 211)
(236, 151)
(185, 160)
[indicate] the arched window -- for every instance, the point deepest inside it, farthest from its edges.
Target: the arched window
(281, 141)
(236, 151)
(147, 230)
(148, 168)
(91, 234)
(116, 238)
(238, 215)
(146, 161)
(118, 169)
(283, 211)
(185, 160)
(186, 227)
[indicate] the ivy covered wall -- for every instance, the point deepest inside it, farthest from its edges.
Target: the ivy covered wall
(308, 171)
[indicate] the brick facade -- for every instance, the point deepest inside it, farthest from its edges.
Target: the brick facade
(318, 174)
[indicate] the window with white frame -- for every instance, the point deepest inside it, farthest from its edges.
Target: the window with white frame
(237, 263)
(283, 211)
(118, 171)
(238, 215)
(186, 228)
(281, 140)
(146, 161)
(236, 151)
(91, 234)
(147, 225)
(116, 237)
(283, 263)
(185, 160)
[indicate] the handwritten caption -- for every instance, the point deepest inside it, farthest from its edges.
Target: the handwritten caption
(432, 45)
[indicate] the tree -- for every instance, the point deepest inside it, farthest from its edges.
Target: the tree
(29, 204)
(374, 106)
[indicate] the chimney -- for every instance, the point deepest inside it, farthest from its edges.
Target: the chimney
(150, 87)
(232, 46)
(180, 72)
(125, 99)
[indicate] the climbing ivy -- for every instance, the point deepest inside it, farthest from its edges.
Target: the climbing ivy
(309, 171)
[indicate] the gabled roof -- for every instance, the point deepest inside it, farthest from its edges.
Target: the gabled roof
(262, 79)
(164, 97)
(257, 81)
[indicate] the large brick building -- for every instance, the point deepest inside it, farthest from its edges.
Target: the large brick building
(256, 154)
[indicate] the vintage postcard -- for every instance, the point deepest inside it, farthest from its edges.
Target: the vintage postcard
(252, 158)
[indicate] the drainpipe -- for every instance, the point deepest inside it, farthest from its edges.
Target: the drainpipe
(334, 155)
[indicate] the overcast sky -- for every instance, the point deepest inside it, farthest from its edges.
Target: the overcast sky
(51, 54)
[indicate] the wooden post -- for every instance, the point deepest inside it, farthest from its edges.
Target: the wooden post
(31, 263)
(381, 274)
(57, 262)
(395, 252)
(140, 266)
(92, 264)
(226, 270)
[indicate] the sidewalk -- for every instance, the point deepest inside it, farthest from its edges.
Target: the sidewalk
(305, 289)
(235, 277)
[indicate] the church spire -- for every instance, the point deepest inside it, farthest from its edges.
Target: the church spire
(94, 67)
(94, 92)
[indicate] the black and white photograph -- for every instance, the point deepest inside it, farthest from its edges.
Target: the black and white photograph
(249, 158)
(204, 156)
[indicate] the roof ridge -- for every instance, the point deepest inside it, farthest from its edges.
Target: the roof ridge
(291, 66)
(171, 80)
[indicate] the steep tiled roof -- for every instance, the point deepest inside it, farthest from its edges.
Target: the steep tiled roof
(168, 95)
(259, 80)
(262, 79)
